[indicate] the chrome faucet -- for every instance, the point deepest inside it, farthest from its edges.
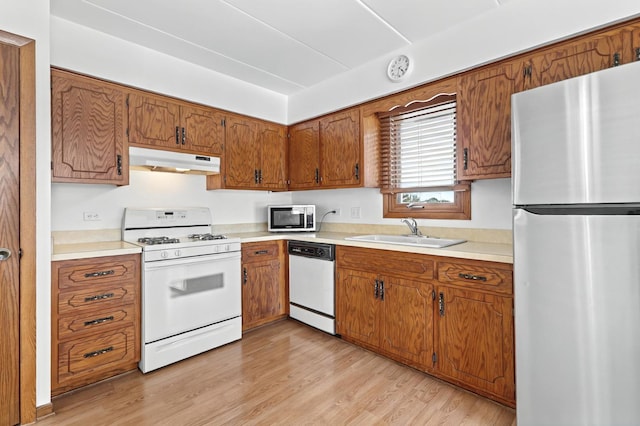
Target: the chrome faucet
(413, 226)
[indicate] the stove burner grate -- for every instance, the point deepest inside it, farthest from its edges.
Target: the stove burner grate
(206, 237)
(152, 241)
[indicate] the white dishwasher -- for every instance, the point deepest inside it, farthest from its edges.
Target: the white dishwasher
(312, 284)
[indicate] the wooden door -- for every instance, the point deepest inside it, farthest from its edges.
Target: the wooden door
(88, 133)
(204, 130)
(17, 230)
(304, 155)
(484, 121)
(475, 340)
(9, 236)
(407, 321)
(261, 292)
(632, 52)
(273, 156)
(241, 154)
(588, 54)
(358, 309)
(340, 149)
(154, 121)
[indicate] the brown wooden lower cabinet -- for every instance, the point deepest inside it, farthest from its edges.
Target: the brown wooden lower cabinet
(95, 323)
(449, 318)
(264, 285)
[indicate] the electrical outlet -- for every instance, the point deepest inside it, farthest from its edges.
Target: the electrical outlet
(337, 212)
(355, 212)
(91, 216)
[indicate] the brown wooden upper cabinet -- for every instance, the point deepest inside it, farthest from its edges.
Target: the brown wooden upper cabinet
(164, 123)
(575, 58)
(87, 130)
(326, 152)
(484, 121)
(255, 155)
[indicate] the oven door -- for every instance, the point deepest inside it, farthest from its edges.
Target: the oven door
(185, 294)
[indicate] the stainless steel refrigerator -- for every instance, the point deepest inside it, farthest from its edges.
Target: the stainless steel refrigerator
(576, 225)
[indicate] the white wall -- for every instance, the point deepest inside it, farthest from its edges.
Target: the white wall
(490, 206)
(90, 52)
(30, 18)
(155, 189)
(517, 26)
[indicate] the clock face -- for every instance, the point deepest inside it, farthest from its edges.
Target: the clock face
(398, 67)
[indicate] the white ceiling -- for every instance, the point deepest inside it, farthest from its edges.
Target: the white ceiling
(282, 45)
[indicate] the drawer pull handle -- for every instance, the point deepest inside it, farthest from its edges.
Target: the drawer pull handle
(98, 352)
(472, 277)
(99, 297)
(98, 321)
(259, 252)
(99, 274)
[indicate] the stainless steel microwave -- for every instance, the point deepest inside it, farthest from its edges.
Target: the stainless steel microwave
(291, 218)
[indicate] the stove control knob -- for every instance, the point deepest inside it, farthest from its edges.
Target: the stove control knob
(164, 254)
(177, 253)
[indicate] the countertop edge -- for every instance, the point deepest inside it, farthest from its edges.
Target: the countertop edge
(490, 252)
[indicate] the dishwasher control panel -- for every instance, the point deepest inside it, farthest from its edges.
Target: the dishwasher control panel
(308, 249)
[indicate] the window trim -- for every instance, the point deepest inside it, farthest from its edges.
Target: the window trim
(460, 209)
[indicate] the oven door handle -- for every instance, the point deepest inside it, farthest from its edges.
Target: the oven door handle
(220, 257)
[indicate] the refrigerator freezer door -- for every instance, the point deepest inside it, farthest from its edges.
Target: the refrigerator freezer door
(577, 319)
(578, 141)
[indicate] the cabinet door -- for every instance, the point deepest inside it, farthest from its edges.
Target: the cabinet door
(407, 324)
(261, 293)
(632, 53)
(154, 121)
(340, 149)
(475, 343)
(484, 121)
(589, 54)
(204, 130)
(242, 155)
(88, 133)
(273, 162)
(358, 308)
(304, 156)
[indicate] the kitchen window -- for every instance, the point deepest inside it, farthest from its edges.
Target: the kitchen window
(418, 161)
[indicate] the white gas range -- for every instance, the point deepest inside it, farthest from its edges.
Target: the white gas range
(191, 284)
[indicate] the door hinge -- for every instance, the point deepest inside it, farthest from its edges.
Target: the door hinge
(434, 358)
(433, 295)
(127, 132)
(20, 253)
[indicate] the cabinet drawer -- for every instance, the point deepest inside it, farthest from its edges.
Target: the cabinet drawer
(96, 297)
(409, 265)
(97, 357)
(477, 275)
(73, 326)
(258, 252)
(83, 273)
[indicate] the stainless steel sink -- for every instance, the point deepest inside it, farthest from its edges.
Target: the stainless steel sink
(407, 240)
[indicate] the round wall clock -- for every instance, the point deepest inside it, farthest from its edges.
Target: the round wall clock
(399, 68)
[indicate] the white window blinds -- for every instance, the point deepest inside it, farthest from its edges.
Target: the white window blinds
(418, 149)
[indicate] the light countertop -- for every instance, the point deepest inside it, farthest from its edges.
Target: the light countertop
(492, 252)
(93, 249)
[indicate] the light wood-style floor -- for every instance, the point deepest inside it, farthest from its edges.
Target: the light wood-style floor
(281, 374)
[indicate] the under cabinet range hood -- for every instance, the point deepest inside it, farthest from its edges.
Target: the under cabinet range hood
(170, 161)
